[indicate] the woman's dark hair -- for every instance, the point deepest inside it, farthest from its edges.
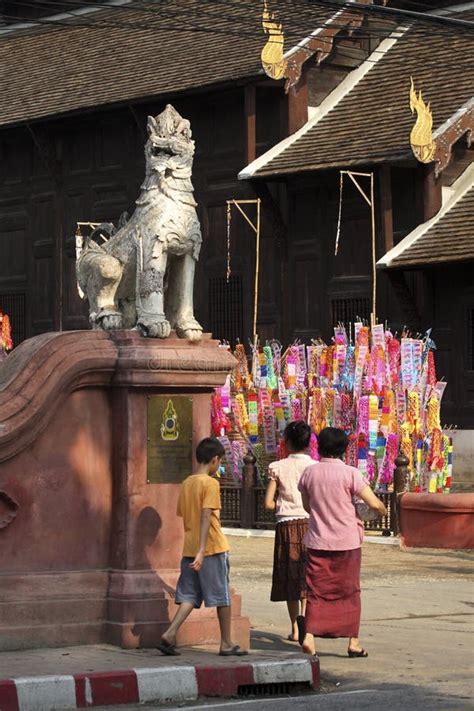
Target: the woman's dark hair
(209, 448)
(297, 434)
(332, 442)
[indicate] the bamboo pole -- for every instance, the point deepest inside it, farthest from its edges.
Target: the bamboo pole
(374, 253)
(257, 269)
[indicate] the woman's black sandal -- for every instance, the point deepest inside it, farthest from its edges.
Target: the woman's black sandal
(169, 650)
(359, 653)
(301, 629)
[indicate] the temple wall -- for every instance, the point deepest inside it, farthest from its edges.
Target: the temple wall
(63, 481)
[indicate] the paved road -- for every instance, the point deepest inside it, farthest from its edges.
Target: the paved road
(417, 623)
(396, 699)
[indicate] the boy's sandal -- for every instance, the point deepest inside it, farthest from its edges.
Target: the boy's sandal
(234, 652)
(168, 649)
(301, 629)
(357, 653)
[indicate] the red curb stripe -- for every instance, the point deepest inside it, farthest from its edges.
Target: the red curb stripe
(8, 696)
(223, 681)
(80, 682)
(107, 688)
(315, 669)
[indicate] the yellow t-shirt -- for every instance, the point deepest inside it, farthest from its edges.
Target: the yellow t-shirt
(200, 491)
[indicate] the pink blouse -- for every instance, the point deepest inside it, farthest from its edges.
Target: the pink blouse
(287, 473)
(333, 524)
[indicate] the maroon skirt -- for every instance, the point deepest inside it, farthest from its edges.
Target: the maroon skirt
(289, 561)
(333, 593)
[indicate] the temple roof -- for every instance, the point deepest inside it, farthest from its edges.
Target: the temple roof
(447, 237)
(367, 119)
(47, 70)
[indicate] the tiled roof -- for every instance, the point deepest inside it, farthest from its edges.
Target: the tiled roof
(447, 237)
(367, 118)
(52, 70)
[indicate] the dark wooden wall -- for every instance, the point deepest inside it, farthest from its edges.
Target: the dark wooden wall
(324, 288)
(450, 309)
(90, 167)
(327, 288)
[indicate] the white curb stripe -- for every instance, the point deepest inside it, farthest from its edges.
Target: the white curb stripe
(46, 693)
(88, 691)
(290, 670)
(176, 684)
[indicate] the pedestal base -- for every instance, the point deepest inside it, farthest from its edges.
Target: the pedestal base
(141, 605)
(437, 521)
(52, 609)
(93, 550)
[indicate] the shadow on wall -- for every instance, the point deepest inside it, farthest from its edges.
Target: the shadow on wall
(147, 528)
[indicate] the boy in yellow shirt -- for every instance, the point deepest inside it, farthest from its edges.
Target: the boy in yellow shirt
(205, 562)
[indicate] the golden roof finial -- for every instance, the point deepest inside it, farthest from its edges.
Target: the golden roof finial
(273, 60)
(421, 136)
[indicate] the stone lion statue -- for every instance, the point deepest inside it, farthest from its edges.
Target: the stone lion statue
(142, 275)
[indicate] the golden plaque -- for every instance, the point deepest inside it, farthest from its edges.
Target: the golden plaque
(273, 54)
(170, 438)
(421, 136)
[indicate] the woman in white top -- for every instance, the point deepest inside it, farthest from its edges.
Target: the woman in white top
(283, 497)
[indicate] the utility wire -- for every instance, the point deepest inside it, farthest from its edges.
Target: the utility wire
(362, 32)
(342, 53)
(155, 8)
(384, 11)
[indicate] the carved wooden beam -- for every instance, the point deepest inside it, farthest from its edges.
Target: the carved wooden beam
(386, 210)
(250, 123)
(461, 123)
(297, 105)
(320, 43)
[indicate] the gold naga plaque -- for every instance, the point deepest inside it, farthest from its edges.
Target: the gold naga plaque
(170, 438)
(421, 136)
(273, 56)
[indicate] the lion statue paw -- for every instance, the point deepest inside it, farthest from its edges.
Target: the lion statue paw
(190, 329)
(154, 327)
(108, 320)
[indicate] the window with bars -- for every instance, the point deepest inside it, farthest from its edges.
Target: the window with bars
(348, 310)
(226, 308)
(14, 306)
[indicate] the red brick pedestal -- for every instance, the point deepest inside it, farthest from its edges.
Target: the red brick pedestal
(437, 521)
(92, 551)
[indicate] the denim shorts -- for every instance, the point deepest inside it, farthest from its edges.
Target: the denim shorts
(210, 584)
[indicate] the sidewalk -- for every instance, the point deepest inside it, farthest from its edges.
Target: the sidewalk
(269, 533)
(417, 623)
(98, 675)
(417, 618)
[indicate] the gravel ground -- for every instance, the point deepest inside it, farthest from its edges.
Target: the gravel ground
(417, 619)
(252, 560)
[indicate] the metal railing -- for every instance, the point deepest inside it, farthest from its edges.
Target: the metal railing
(243, 505)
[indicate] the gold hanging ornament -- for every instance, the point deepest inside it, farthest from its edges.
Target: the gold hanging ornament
(421, 136)
(273, 58)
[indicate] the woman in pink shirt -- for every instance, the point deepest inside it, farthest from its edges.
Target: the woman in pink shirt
(333, 542)
(289, 559)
